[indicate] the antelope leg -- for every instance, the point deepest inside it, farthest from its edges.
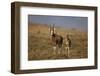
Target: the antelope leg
(54, 49)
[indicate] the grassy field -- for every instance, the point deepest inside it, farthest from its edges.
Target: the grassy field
(40, 44)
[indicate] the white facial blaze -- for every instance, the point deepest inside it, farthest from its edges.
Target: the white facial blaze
(51, 32)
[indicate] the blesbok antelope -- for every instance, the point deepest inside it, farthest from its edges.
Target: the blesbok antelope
(57, 40)
(67, 44)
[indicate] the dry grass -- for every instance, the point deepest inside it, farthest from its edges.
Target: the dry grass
(40, 46)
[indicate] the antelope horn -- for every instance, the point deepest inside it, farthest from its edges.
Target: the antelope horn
(50, 28)
(53, 27)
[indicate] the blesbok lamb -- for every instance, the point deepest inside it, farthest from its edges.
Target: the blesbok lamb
(57, 40)
(67, 44)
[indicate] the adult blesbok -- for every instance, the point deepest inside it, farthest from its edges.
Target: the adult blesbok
(57, 40)
(67, 44)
